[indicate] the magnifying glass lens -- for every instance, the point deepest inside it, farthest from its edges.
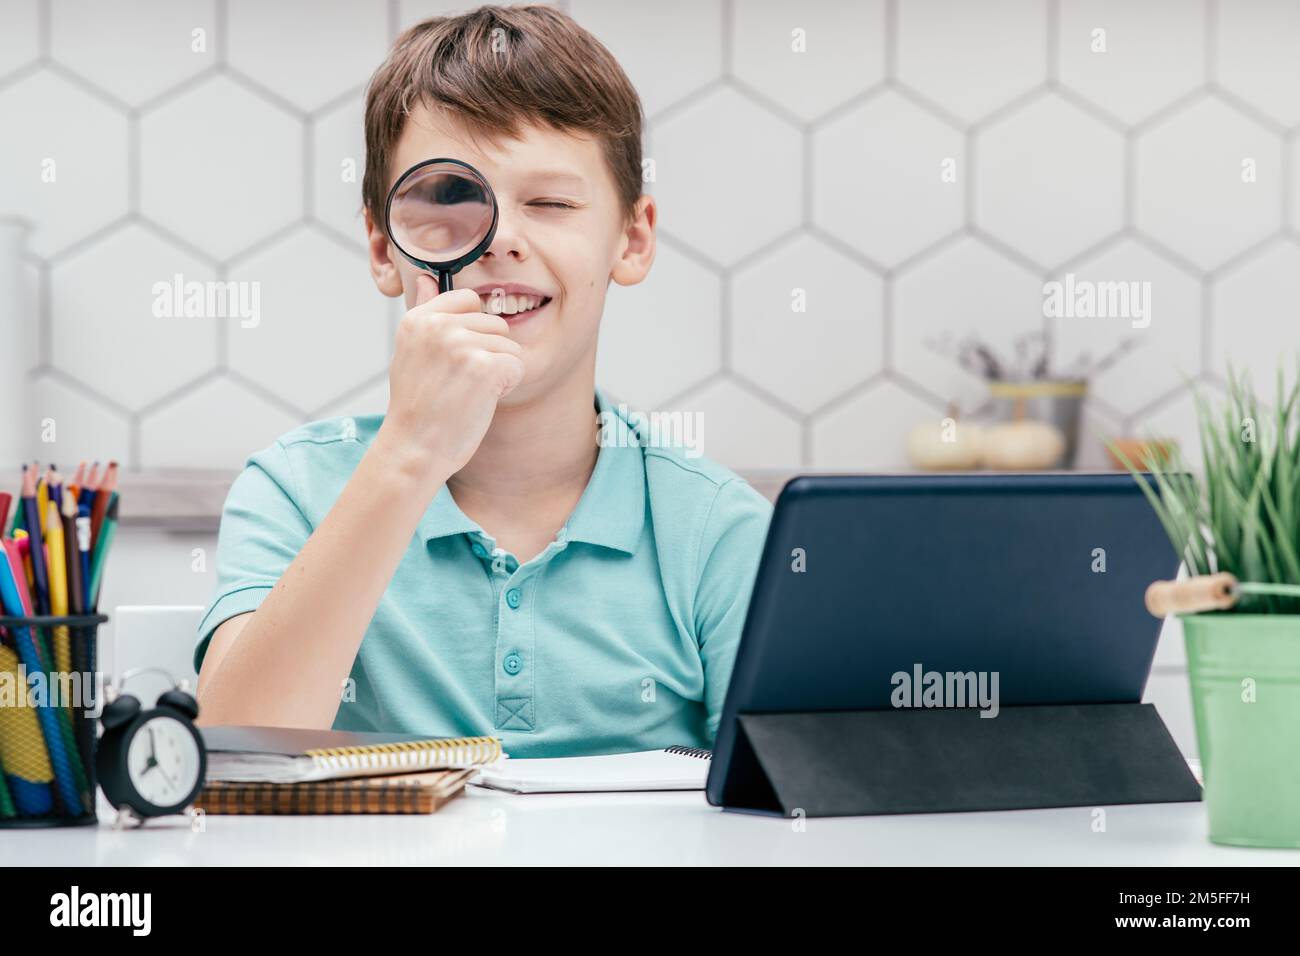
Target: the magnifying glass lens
(440, 212)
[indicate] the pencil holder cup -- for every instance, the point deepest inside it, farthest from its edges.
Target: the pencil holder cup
(49, 709)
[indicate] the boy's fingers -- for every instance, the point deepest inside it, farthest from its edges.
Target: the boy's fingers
(486, 323)
(511, 371)
(494, 343)
(425, 288)
(457, 300)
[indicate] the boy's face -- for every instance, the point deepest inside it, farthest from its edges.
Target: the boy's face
(561, 235)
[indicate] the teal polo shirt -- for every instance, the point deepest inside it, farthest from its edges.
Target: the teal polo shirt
(619, 636)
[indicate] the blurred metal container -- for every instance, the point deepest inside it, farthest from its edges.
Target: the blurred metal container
(1058, 403)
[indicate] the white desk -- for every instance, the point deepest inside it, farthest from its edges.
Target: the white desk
(494, 829)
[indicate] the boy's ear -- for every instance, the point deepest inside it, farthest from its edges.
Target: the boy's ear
(638, 247)
(382, 268)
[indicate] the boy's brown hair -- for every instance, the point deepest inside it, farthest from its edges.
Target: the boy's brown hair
(497, 69)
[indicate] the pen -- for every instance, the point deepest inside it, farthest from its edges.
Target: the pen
(83, 552)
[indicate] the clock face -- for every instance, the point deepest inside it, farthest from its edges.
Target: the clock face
(163, 761)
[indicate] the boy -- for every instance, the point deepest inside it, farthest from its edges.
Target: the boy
(500, 553)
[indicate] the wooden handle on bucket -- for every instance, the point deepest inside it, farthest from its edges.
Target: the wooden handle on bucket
(1211, 592)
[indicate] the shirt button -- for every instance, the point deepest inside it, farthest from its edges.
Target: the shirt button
(512, 664)
(479, 550)
(512, 597)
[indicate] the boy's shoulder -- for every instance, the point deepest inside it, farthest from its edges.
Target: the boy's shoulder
(680, 480)
(357, 429)
(313, 461)
(699, 491)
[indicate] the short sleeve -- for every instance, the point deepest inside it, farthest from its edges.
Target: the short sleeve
(730, 549)
(262, 530)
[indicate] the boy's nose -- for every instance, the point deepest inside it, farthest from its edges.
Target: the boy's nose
(509, 241)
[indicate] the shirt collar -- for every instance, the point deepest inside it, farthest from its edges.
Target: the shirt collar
(611, 511)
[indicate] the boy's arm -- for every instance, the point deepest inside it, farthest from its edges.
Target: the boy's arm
(730, 549)
(285, 663)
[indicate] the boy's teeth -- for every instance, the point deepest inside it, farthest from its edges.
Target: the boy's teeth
(510, 304)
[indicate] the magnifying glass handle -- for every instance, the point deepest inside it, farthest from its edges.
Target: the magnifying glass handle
(444, 282)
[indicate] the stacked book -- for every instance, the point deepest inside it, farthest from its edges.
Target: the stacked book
(275, 770)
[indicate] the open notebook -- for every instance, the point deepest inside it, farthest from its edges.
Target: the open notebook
(286, 755)
(675, 768)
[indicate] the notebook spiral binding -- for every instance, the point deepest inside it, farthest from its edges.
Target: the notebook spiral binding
(460, 752)
(690, 752)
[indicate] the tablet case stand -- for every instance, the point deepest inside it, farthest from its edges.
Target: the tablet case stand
(847, 763)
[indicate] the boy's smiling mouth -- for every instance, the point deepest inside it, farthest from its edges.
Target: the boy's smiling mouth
(512, 301)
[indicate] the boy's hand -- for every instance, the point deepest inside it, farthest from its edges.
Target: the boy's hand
(451, 364)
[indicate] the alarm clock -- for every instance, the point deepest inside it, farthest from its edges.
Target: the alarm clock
(150, 763)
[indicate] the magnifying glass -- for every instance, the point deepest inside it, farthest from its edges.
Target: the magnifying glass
(441, 216)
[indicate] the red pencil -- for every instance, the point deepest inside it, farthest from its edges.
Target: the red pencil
(102, 494)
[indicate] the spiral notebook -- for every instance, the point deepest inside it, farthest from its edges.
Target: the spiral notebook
(282, 755)
(397, 793)
(673, 768)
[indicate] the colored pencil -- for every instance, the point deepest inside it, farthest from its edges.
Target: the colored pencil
(39, 579)
(42, 496)
(100, 506)
(100, 556)
(58, 569)
(72, 556)
(12, 593)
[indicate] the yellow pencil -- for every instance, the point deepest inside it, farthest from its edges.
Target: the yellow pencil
(58, 587)
(42, 502)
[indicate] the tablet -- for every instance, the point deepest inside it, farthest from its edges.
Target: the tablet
(1037, 579)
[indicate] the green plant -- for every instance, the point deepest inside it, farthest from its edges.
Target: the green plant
(1243, 514)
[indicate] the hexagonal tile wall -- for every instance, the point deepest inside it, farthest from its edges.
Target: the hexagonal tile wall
(1164, 320)
(105, 302)
(965, 289)
(315, 299)
(644, 326)
(309, 52)
(812, 57)
(1131, 59)
(728, 175)
(888, 178)
(808, 323)
(65, 163)
(243, 194)
(696, 28)
(972, 58)
(94, 40)
(1256, 312)
(1050, 180)
(1209, 182)
(919, 168)
(19, 35)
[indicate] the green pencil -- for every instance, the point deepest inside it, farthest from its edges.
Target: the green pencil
(106, 532)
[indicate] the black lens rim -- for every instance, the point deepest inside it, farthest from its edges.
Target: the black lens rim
(447, 266)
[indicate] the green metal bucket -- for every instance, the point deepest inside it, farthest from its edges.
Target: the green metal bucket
(1245, 677)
